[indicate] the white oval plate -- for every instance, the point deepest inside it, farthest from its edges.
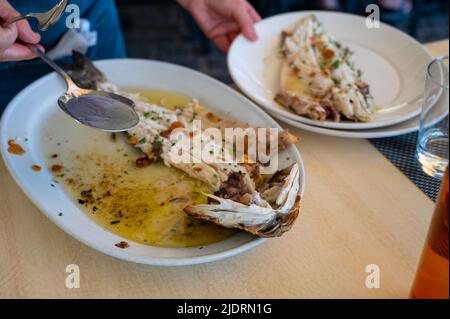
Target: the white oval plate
(394, 65)
(33, 116)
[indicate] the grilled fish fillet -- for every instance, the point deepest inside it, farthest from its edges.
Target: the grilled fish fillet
(318, 79)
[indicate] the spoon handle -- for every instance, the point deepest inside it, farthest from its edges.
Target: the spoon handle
(57, 68)
(13, 20)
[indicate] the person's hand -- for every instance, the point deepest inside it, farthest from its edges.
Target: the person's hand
(10, 50)
(223, 20)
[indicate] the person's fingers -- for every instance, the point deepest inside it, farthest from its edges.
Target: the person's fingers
(26, 34)
(6, 11)
(23, 27)
(222, 42)
(253, 13)
(18, 52)
(224, 34)
(232, 36)
(245, 21)
(224, 28)
(8, 35)
(9, 49)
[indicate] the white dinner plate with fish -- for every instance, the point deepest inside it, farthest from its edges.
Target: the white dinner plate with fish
(116, 192)
(330, 70)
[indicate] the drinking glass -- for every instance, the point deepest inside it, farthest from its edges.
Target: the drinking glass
(432, 146)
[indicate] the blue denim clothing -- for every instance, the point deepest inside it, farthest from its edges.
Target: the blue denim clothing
(102, 14)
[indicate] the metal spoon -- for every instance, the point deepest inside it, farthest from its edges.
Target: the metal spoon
(102, 110)
(46, 19)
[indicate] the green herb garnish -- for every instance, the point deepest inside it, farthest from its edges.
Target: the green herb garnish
(335, 65)
(336, 82)
(359, 73)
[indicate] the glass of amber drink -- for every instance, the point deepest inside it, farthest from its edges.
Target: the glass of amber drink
(432, 281)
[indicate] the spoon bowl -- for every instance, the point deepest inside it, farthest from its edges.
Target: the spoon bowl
(102, 110)
(98, 109)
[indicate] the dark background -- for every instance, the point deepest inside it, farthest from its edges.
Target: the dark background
(162, 30)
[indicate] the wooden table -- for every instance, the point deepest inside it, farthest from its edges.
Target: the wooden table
(358, 210)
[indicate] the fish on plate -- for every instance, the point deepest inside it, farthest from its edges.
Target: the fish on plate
(318, 78)
(240, 196)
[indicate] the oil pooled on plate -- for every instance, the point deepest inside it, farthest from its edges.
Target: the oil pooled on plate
(144, 205)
